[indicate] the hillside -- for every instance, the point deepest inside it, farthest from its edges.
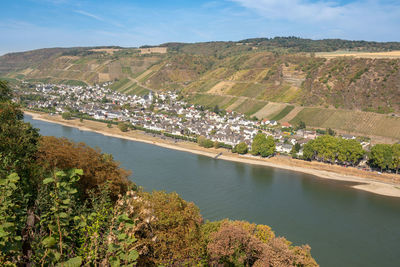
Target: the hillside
(258, 77)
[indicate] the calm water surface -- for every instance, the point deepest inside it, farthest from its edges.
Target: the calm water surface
(344, 226)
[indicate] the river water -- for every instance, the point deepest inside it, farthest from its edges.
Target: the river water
(343, 226)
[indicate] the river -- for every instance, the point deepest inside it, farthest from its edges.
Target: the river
(343, 226)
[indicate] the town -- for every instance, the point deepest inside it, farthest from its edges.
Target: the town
(166, 112)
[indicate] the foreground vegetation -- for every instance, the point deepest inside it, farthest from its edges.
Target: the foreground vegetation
(66, 204)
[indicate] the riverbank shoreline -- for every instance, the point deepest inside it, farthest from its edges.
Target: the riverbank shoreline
(384, 184)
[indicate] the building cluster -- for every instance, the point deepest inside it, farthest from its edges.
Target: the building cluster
(162, 111)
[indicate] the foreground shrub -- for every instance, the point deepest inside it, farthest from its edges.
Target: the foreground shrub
(245, 244)
(98, 168)
(167, 228)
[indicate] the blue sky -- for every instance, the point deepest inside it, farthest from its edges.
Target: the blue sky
(32, 24)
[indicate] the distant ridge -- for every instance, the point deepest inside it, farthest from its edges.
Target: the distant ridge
(258, 77)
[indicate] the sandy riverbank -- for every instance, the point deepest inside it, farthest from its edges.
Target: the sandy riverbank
(383, 184)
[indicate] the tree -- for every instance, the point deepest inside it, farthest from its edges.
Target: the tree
(301, 125)
(98, 168)
(5, 91)
(66, 115)
(349, 152)
(236, 243)
(216, 109)
(241, 148)
(295, 149)
(176, 225)
(396, 157)
(18, 141)
(308, 151)
(123, 127)
(381, 156)
(217, 144)
(262, 145)
(330, 132)
(204, 142)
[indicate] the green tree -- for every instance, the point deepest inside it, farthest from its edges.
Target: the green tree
(66, 115)
(330, 132)
(123, 127)
(204, 142)
(216, 109)
(13, 214)
(5, 91)
(262, 145)
(295, 149)
(241, 148)
(301, 125)
(308, 150)
(395, 157)
(381, 156)
(349, 152)
(18, 141)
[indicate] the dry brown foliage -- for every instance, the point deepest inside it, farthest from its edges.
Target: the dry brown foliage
(98, 168)
(245, 244)
(167, 228)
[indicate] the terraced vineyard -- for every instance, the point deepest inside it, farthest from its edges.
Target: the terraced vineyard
(252, 77)
(364, 123)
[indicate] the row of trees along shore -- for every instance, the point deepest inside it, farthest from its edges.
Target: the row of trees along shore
(326, 148)
(67, 204)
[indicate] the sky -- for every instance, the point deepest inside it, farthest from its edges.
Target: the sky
(33, 24)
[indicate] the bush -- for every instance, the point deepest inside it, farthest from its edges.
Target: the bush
(123, 127)
(168, 229)
(66, 115)
(241, 148)
(204, 142)
(98, 168)
(243, 244)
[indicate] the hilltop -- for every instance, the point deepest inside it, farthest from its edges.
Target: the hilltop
(326, 83)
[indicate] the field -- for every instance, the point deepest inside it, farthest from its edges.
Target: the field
(212, 100)
(269, 110)
(249, 106)
(282, 113)
(221, 88)
(357, 122)
(329, 55)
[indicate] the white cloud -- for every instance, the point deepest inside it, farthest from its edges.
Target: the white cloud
(90, 15)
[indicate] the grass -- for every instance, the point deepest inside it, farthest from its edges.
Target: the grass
(282, 113)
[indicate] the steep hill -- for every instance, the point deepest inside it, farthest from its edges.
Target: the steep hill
(255, 76)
